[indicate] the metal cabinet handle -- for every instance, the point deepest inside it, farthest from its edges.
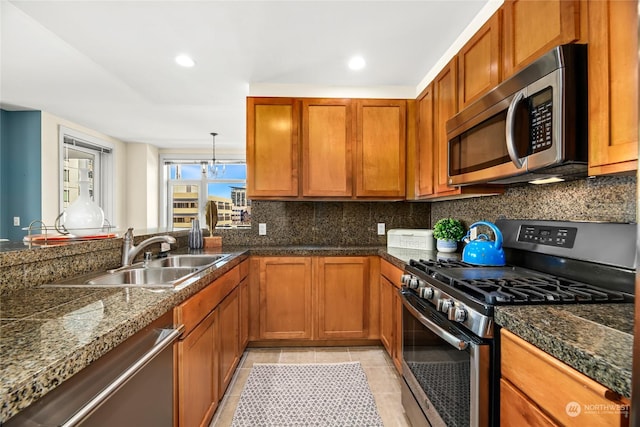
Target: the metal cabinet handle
(89, 407)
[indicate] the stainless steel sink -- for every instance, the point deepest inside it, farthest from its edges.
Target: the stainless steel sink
(187, 260)
(142, 277)
(164, 272)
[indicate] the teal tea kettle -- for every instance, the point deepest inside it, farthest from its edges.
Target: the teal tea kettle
(481, 250)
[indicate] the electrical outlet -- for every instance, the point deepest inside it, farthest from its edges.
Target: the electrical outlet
(16, 221)
(381, 229)
(262, 229)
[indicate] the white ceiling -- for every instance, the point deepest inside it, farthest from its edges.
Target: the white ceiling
(109, 65)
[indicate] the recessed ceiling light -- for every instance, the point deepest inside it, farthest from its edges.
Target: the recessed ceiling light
(357, 63)
(185, 61)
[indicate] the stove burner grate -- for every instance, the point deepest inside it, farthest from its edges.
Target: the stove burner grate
(506, 288)
(534, 290)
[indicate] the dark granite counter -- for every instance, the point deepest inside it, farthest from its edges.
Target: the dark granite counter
(594, 339)
(49, 334)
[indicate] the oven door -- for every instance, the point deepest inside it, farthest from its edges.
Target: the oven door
(446, 370)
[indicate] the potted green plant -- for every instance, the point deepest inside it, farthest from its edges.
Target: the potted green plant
(447, 232)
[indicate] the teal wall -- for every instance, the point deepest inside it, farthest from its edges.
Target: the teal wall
(20, 171)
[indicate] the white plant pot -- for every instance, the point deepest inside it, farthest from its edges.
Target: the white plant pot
(446, 245)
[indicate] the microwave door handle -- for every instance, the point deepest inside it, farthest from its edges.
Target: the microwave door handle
(510, 129)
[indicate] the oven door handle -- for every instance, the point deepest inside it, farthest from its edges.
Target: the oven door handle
(448, 337)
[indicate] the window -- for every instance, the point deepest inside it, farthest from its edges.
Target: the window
(74, 146)
(191, 184)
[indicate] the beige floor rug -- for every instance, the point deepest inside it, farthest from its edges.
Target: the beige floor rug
(335, 394)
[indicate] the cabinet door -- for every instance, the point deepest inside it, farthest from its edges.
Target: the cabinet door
(517, 410)
(613, 87)
(528, 369)
(272, 147)
(198, 374)
(480, 62)
(387, 311)
(397, 333)
(380, 148)
(229, 332)
(532, 28)
(424, 147)
(285, 298)
(343, 297)
(445, 107)
(327, 145)
(243, 292)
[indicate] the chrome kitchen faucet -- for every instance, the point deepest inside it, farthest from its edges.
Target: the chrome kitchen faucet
(129, 251)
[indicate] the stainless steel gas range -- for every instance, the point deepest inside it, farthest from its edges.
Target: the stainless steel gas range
(450, 356)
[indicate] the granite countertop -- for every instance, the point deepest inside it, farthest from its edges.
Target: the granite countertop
(49, 334)
(594, 339)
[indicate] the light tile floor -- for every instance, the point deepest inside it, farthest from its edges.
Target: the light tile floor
(383, 378)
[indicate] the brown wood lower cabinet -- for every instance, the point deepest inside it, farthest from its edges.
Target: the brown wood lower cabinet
(303, 298)
(343, 297)
(197, 374)
(391, 312)
(539, 390)
(209, 349)
(229, 343)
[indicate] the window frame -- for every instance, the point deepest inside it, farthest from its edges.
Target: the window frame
(103, 192)
(164, 207)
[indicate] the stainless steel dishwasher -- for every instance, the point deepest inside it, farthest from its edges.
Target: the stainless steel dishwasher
(132, 385)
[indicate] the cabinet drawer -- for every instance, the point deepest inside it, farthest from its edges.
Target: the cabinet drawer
(552, 385)
(391, 272)
(192, 311)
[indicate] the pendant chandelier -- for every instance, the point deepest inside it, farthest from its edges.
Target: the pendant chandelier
(212, 168)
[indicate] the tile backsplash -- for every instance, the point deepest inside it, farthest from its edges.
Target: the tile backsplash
(326, 223)
(609, 199)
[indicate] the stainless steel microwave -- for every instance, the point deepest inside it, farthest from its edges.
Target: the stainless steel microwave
(531, 126)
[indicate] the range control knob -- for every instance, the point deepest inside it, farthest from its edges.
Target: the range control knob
(445, 304)
(457, 314)
(405, 279)
(426, 292)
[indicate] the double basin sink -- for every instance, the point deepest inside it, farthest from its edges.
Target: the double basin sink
(161, 272)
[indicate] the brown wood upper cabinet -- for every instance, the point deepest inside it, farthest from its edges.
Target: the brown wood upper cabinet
(613, 87)
(380, 148)
(327, 147)
(350, 148)
(272, 147)
(480, 67)
(531, 28)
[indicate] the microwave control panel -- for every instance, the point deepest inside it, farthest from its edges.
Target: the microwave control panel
(540, 116)
(563, 237)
